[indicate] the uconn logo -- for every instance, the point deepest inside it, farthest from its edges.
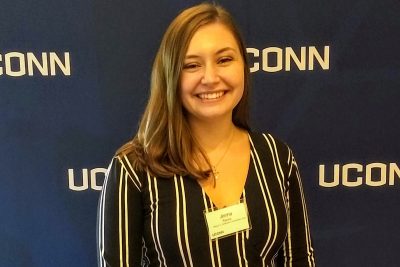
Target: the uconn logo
(18, 64)
(275, 59)
(355, 174)
(86, 178)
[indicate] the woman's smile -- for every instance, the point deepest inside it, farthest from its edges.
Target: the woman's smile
(211, 95)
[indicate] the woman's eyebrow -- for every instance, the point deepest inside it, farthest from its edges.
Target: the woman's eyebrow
(222, 50)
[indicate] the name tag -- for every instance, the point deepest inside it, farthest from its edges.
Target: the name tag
(227, 221)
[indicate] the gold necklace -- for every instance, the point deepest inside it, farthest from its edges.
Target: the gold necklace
(214, 166)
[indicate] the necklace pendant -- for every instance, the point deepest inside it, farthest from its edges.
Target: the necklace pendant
(214, 167)
(215, 172)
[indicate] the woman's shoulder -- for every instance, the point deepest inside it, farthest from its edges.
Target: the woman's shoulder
(266, 138)
(272, 149)
(121, 166)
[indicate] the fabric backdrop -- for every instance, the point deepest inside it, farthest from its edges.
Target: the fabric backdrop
(74, 79)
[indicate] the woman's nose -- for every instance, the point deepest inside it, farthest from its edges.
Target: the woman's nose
(210, 75)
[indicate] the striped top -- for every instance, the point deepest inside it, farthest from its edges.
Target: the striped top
(150, 221)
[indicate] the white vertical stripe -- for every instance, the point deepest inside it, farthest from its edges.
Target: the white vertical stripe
(277, 165)
(120, 229)
(101, 218)
(267, 248)
(289, 156)
(264, 196)
(288, 249)
(238, 250)
(218, 255)
(247, 232)
(274, 150)
(284, 254)
(185, 222)
(210, 244)
(178, 222)
(245, 200)
(214, 243)
(244, 250)
(154, 233)
(102, 208)
(289, 240)
(210, 204)
(101, 226)
(290, 164)
(305, 216)
(126, 222)
(157, 233)
(288, 256)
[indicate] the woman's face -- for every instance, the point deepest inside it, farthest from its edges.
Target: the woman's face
(212, 78)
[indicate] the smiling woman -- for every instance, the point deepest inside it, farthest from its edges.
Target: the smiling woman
(195, 158)
(212, 79)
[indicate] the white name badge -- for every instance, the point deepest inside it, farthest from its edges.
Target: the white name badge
(227, 221)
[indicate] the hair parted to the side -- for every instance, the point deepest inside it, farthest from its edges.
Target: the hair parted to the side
(164, 144)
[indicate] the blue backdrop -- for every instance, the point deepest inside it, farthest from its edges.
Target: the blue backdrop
(74, 78)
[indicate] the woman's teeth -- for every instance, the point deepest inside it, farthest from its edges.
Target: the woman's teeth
(210, 96)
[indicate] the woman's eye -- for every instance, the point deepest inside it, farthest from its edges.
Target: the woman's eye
(224, 60)
(191, 66)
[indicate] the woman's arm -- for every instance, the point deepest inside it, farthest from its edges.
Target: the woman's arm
(297, 249)
(120, 217)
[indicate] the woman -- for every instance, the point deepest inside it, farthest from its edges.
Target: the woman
(195, 187)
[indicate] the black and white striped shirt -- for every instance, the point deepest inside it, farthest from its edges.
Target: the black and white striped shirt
(150, 221)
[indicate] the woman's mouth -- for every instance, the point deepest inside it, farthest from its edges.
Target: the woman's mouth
(211, 96)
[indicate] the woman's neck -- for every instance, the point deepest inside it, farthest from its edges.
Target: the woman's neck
(212, 134)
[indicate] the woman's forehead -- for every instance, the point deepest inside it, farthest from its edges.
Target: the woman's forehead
(214, 37)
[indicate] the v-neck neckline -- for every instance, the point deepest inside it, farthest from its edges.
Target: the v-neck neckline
(211, 202)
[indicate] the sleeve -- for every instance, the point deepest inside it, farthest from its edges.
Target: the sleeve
(297, 249)
(119, 217)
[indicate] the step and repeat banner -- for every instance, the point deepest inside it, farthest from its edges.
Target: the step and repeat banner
(74, 79)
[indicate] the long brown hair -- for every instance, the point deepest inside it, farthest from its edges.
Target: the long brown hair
(164, 144)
